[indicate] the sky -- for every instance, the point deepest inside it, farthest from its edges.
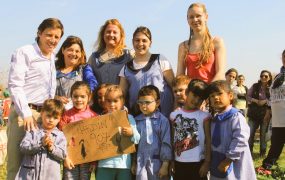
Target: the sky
(253, 31)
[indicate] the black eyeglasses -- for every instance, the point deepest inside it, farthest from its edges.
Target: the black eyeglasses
(264, 76)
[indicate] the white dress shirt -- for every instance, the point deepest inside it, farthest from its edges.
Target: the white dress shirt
(32, 78)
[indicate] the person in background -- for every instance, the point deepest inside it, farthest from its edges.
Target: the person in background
(258, 96)
(31, 80)
(110, 55)
(6, 106)
(277, 112)
(45, 148)
(71, 67)
(99, 98)
(154, 152)
(240, 91)
(179, 86)
(147, 69)
(230, 154)
(201, 56)
(231, 76)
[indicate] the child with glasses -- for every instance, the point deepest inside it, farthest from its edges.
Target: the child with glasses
(191, 135)
(154, 149)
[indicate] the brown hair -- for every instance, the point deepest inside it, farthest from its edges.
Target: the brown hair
(149, 90)
(207, 45)
(78, 85)
(100, 44)
(232, 70)
(50, 23)
(115, 88)
(144, 30)
(181, 80)
(70, 40)
(53, 107)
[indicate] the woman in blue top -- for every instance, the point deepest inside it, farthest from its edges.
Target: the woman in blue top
(71, 67)
(147, 69)
(110, 55)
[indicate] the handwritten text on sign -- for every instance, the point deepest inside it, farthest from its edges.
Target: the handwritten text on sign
(98, 138)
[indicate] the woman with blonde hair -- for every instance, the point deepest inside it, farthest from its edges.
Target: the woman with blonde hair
(201, 56)
(110, 55)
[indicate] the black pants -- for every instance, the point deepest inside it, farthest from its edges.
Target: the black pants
(277, 143)
(188, 170)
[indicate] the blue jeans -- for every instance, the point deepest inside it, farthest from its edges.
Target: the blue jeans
(253, 125)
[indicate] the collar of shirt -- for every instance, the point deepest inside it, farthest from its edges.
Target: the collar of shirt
(155, 115)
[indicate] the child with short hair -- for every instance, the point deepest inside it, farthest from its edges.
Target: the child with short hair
(179, 85)
(99, 98)
(154, 149)
(191, 135)
(80, 96)
(45, 147)
(118, 167)
(231, 157)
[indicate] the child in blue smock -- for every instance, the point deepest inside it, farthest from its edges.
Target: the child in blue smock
(230, 157)
(44, 148)
(154, 149)
(118, 167)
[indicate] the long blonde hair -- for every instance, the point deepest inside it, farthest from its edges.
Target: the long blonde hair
(100, 44)
(207, 45)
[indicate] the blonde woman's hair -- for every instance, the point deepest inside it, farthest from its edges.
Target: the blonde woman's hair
(207, 45)
(100, 44)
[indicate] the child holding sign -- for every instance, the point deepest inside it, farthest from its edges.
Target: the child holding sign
(154, 149)
(117, 168)
(80, 96)
(45, 147)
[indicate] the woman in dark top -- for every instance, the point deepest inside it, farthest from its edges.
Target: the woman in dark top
(110, 55)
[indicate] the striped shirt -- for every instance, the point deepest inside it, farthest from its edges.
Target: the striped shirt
(32, 78)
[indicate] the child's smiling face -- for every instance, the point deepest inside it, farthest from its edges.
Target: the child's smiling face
(221, 100)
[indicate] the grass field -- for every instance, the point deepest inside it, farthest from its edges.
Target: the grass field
(257, 163)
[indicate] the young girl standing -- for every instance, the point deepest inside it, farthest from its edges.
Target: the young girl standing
(99, 98)
(154, 149)
(191, 135)
(80, 96)
(230, 157)
(44, 148)
(147, 69)
(117, 168)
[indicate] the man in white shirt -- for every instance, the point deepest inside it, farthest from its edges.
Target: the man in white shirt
(32, 80)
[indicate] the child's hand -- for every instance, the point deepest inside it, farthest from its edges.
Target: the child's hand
(93, 166)
(204, 169)
(127, 131)
(47, 142)
(224, 165)
(163, 171)
(68, 163)
(134, 168)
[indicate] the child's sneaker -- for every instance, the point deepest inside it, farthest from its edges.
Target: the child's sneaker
(261, 170)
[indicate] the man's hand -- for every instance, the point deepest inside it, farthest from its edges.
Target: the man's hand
(30, 124)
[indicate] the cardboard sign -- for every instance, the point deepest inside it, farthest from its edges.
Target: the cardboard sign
(98, 138)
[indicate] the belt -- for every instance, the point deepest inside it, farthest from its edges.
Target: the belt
(35, 107)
